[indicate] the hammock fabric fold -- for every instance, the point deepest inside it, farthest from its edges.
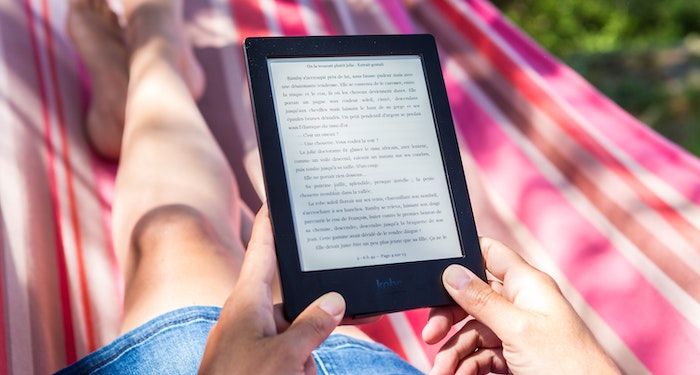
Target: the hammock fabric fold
(587, 193)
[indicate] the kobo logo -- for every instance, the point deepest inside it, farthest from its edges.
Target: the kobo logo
(390, 283)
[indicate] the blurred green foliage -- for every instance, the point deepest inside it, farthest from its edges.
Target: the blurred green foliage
(643, 54)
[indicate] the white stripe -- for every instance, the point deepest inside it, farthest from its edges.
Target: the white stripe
(409, 342)
(58, 13)
(686, 208)
(101, 285)
(269, 10)
(62, 207)
(341, 6)
(535, 254)
(606, 180)
(615, 188)
(63, 195)
(311, 19)
(684, 303)
(13, 203)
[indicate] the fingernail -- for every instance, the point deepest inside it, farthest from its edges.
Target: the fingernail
(333, 304)
(457, 276)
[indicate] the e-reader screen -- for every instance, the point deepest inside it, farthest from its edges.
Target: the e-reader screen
(365, 175)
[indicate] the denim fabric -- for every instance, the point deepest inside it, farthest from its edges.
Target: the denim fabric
(341, 354)
(173, 343)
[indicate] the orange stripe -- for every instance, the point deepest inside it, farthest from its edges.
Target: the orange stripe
(84, 296)
(67, 318)
(537, 96)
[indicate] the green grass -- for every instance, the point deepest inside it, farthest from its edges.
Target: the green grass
(645, 55)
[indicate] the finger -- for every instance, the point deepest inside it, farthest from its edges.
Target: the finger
(483, 362)
(440, 320)
(281, 322)
(499, 259)
(258, 269)
(480, 301)
(497, 286)
(503, 263)
(251, 300)
(473, 336)
(314, 324)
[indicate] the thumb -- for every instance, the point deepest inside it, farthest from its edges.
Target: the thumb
(315, 324)
(479, 300)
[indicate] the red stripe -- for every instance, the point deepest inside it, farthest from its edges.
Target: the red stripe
(67, 318)
(607, 280)
(417, 320)
(322, 13)
(501, 94)
(383, 331)
(538, 97)
(289, 17)
(75, 221)
(670, 162)
(248, 18)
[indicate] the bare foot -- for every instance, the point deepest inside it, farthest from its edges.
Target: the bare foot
(144, 16)
(95, 31)
(100, 40)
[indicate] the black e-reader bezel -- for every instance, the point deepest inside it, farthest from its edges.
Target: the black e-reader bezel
(368, 290)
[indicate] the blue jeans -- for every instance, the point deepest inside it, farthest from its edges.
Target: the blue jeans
(173, 343)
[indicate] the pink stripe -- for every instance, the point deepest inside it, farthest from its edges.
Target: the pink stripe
(417, 320)
(396, 12)
(290, 19)
(672, 164)
(538, 97)
(383, 331)
(72, 204)
(67, 317)
(641, 316)
(322, 13)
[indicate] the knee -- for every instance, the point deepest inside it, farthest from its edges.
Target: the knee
(169, 226)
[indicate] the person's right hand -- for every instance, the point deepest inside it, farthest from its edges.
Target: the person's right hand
(251, 335)
(522, 324)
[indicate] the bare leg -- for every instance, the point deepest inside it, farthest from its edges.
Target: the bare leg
(176, 210)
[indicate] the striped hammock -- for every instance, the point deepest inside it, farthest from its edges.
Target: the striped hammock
(593, 197)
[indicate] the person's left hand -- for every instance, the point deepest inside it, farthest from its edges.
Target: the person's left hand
(251, 336)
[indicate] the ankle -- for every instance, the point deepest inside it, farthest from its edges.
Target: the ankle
(151, 21)
(132, 7)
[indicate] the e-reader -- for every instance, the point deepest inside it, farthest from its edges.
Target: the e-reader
(364, 182)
